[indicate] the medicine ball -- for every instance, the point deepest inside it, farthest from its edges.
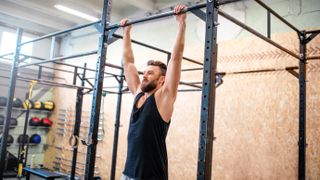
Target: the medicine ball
(38, 105)
(17, 103)
(46, 122)
(3, 101)
(27, 104)
(35, 138)
(13, 123)
(23, 139)
(9, 140)
(49, 105)
(34, 121)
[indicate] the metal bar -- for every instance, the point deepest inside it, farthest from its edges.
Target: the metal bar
(158, 16)
(61, 58)
(313, 31)
(206, 133)
(302, 107)
(39, 72)
(11, 90)
(224, 2)
(313, 57)
(277, 15)
(75, 73)
(257, 34)
(97, 92)
(268, 25)
(53, 44)
(191, 69)
(77, 123)
(189, 84)
(60, 32)
(88, 69)
(188, 90)
(157, 49)
(116, 129)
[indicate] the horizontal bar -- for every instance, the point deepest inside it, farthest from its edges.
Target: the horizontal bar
(313, 57)
(191, 69)
(157, 16)
(313, 31)
(259, 70)
(60, 32)
(89, 69)
(188, 90)
(157, 49)
(61, 58)
(221, 2)
(278, 16)
(189, 84)
(244, 26)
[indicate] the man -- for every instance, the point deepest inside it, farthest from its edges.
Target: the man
(153, 107)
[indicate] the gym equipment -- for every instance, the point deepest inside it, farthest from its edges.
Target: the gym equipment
(13, 122)
(35, 138)
(23, 147)
(35, 121)
(38, 105)
(27, 104)
(17, 103)
(10, 140)
(49, 105)
(46, 122)
(10, 165)
(3, 101)
(23, 139)
(40, 173)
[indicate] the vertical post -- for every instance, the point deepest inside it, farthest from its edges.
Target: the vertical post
(53, 44)
(302, 107)
(11, 90)
(76, 129)
(39, 72)
(97, 93)
(269, 24)
(208, 93)
(116, 129)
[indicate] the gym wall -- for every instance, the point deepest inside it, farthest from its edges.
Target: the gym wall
(256, 121)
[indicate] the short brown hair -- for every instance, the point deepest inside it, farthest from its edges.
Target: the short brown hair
(161, 65)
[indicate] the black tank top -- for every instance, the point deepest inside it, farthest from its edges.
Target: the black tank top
(147, 152)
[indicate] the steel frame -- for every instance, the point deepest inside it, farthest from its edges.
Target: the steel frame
(206, 135)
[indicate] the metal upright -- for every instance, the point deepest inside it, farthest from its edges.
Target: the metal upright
(76, 129)
(97, 93)
(116, 128)
(11, 90)
(208, 93)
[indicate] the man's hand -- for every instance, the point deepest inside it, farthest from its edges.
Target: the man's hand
(126, 29)
(180, 17)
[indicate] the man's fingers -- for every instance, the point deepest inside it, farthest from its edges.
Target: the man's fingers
(179, 8)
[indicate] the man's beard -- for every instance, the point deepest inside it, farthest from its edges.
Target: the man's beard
(148, 87)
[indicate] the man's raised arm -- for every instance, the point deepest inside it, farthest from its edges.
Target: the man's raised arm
(174, 67)
(130, 70)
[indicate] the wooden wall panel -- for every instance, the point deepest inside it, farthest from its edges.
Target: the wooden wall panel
(256, 121)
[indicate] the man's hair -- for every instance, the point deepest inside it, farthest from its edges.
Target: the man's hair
(161, 65)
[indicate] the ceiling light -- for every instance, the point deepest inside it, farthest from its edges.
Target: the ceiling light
(76, 13)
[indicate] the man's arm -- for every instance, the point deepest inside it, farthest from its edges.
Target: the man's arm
(174, 67)
(130, 70)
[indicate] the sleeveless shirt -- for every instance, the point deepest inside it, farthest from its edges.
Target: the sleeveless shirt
(147, 153)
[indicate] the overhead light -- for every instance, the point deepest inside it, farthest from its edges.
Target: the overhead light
(75, 12)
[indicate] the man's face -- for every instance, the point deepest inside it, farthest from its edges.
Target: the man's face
(151, 77)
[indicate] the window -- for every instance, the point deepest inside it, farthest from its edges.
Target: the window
(8, 44)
